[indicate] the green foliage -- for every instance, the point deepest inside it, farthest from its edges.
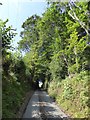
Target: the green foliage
(68, 91)
(57, 67)
(14, 77)
(7, 35)
(29, 34)
(71, 93)
(53, 87)
(15, 85)
(57, 52)
(13, 96)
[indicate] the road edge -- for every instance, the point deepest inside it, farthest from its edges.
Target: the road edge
(24, 104)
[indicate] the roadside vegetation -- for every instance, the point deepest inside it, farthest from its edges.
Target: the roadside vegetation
(72, 95)
(15, 75)
(57, 51)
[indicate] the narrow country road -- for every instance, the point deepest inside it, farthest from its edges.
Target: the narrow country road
(41, 106)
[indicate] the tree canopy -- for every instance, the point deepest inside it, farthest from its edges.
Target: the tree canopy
(57, 52)
(55, 43)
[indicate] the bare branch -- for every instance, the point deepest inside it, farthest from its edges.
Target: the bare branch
(74, 16)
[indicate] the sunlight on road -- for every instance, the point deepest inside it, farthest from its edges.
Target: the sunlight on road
(41, 105)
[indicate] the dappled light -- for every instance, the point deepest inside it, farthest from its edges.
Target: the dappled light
(48, 74)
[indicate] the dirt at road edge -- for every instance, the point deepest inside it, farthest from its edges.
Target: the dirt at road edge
(25, 103)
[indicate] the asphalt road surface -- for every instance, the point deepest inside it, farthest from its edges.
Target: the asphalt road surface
(42, 107)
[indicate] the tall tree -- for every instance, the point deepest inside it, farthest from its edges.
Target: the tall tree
(30, 33)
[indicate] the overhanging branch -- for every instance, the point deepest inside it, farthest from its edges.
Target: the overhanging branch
(74, 16)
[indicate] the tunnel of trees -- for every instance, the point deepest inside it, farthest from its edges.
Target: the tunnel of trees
(57, 51)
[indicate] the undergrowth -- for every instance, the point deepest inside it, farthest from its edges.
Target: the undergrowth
(13, 95)
(72, 94)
